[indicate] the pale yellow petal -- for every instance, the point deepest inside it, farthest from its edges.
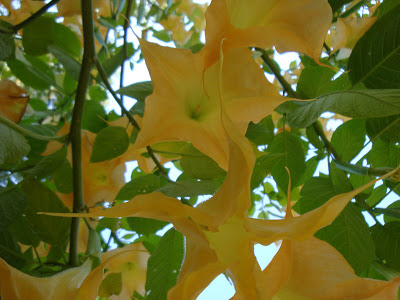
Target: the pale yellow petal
(13, 100)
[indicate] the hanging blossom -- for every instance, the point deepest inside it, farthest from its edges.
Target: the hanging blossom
(220, 236)
(185, 106)
(313, 269)
(13, 100)
(289, 25)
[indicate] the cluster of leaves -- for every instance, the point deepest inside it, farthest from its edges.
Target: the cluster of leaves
(64, 151)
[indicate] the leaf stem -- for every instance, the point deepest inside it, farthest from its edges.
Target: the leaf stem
(89, 54)
(26, 132)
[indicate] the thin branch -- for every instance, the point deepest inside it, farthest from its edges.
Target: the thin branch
(125, 44)
(76, 124)
(103, 76)
(318, 129)
(40, 12)
(25, 132)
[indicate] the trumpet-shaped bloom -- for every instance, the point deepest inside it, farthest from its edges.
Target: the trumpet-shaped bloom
(219, 234)
(186, 106)
(289, 25)
(101, 181)
(16, 285)
(13, 100)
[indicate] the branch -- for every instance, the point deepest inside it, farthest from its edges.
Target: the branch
(26, 132)
(40, 12)
(103, 76)
(89, 53)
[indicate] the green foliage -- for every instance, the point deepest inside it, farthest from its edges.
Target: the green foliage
(110, 142)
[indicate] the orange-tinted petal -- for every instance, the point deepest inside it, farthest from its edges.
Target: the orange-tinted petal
(289, 25)
(13, 100)
(15, 285)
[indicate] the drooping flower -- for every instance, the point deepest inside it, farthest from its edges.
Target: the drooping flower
(219, 234)
(349, 31)
(185, 106)
(289, 25)
(101, 181)
(13, 100)
(313, 269)
(16, 285)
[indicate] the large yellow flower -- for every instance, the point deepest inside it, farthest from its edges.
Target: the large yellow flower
(186, 106)
(289, 25)
(219, 234)
(313, 269)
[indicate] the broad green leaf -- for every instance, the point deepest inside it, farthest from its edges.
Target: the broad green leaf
(387, 243)
(111, 285)
(43, 32)
(348, 139)
(7, 46)
(63, 177)
(393, 212)
(385, 128)
(374, 59)
(353, 104)
(314, 138)
(111, 223)
(263, 166)
(110, 142)
(337, 4)
(97, 93)
(195, 164)
(377, 195)
(24, 232)
(139, 90)
(72, 67)
(33, 72)
(349, 234)
(52, 230)
(317, 80)
(293, 158)
(191, 188)
(340, 181)
(94, 116)
(12, 204)
(141, 185)
(164, 265)
(10, 251)
(383, 154)
(145, 226)
(385, 7)
(48, 164)
(150, 242)
(13, 146)
(394, 207)
(261, 133)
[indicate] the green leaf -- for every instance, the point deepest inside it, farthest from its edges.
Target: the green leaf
(317, 80)
(197, 165)
(111, 285)
(33, 72)
(7, 46)
(348, 139)
(24, 232)
(12, 204)
(191, 188)
(48, 164)
(337, 4)
(110, 142)
(13, 146)
(349, 234)
(145, 226)
(10, 251)
(52, 230)
(387, 243)
(395, 206)
(94, 116)
(111, 64)
(386, 128)
(383, 154)
(261, 133)
(141, 185)
(374, 59)
(393, 212)
(377, 196)
(63, 177)
(293, 158)
(164, 265)
(139, 90)
(43, 32)
(353, 104)
(72, 67)
(385, 7)
(263, 166)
